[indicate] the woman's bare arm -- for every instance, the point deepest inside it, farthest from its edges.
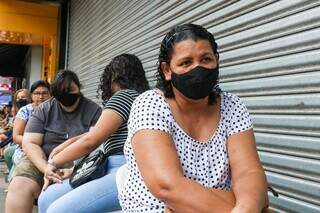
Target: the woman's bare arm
(107, 124)
(32, 147)
(65, 145)
(248, 178)
(161, 170)
(18, 129)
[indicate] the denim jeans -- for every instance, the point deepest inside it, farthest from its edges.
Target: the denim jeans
(99, 195)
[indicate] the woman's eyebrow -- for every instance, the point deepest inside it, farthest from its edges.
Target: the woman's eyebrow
(184, 58)
(207, 53)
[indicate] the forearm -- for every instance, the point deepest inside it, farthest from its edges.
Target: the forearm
(36, 155)
(189, 196)
(251, 191)
(74, 151)
(18, 139)
(72, 140)
(69, 142)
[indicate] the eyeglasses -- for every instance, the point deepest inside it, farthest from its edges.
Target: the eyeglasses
(45, 93)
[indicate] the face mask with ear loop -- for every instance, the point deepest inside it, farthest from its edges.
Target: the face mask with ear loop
(22, 102)
(196, 83)
(67, 99)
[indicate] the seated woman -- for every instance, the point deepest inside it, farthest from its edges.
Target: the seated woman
(67, 115)
(121, 82)
(190, 146)
(40, 92)
(20, 99)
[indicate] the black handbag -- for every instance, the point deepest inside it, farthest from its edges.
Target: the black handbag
(89, 168)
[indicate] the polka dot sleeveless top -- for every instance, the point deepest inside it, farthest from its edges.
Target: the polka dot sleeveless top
(207, 163)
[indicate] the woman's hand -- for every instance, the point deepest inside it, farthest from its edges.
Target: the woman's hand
(51, 174)
(65, 173)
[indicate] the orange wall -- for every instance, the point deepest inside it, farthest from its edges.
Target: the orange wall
(28, 17)
(40, 20)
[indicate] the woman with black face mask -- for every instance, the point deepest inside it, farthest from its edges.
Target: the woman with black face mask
(188, 140)
(20, 99)
(120, 84)
(53, 122)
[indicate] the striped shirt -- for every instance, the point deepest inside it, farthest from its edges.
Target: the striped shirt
(120, 103)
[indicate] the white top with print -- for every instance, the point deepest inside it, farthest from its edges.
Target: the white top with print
(24, 114)
(207, 163)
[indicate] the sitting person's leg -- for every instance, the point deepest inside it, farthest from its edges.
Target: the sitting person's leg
(8, 153)
(95, 196)
(24, 187)
(51, 194)
(21, 194)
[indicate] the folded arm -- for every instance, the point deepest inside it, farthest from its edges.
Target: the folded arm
(161, 170)
(248, 178)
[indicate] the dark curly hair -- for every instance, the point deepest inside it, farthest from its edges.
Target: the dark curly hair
(127, 71)
(176, 35)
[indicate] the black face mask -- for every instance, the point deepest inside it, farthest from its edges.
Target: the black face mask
(197, 83)
(22, 102)
(67, 99)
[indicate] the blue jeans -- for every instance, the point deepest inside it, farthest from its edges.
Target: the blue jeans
(99, 195)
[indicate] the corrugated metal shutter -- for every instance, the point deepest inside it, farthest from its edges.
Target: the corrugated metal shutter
(270, 56)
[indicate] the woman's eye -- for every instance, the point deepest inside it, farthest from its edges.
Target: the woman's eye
(185, 63)
(208, 59)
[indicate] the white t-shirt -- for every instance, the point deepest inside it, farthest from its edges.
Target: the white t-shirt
(205, 162)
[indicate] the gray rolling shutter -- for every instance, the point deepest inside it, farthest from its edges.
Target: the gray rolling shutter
(269, 56)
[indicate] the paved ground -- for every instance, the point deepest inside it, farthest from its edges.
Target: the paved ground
(4, 186)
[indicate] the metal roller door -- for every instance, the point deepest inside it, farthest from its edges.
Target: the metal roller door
(269, 56)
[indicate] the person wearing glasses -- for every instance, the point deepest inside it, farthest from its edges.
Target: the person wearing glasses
(63, 118)
(40, 92)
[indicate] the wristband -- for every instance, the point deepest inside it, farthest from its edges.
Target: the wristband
(51, 163)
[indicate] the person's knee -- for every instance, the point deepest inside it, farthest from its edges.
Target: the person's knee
(7, 153)
(23, 186)
(22, 192)
(53, 193)
(44, 200)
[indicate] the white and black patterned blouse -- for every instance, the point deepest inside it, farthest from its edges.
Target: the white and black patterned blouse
(207, 163)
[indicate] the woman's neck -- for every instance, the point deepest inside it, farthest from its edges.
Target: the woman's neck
(189, 106)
